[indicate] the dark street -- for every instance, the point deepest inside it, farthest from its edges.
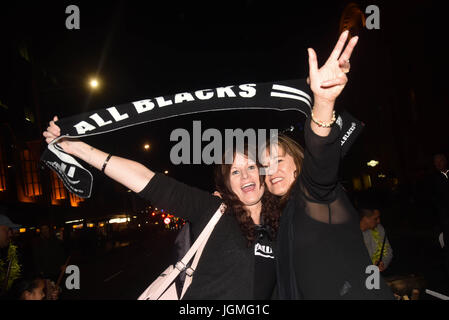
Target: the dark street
(125, 271)
(111, 110)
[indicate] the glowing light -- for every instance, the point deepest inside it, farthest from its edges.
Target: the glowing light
(167, 220)
(90, 225)
(22, 230)
(166, 172)
(119, 220)
(94, 83)
(72, 221)
(373, 163)
(146, 147)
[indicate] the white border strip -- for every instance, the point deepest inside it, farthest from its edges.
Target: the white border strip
(291, 90)
(437, 295)
(291, 96)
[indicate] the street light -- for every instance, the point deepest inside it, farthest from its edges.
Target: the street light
(166, 172)
(146, 147)
(94, 83)
(373, 163)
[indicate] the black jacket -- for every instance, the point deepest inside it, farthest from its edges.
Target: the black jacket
(321, 253)
(440, 196)
(226, 267)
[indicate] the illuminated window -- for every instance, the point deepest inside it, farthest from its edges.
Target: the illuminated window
(2, 171)
(57, 187)
(367, 181)
(31, 182)
(75, 200)
(357, 184)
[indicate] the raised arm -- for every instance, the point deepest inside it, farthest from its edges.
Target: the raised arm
(329, 81)
(322, 154)
(131, 174)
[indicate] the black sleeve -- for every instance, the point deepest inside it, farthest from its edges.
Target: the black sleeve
(324, 198)
(321, 163)
(184, 201)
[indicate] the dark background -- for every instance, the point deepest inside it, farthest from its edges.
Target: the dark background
(143, 49)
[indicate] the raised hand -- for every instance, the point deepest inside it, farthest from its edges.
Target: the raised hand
(53, 132)
(329, 81)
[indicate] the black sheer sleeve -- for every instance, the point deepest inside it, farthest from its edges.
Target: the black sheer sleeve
(319, 178)
(327, 252)
(185, 201)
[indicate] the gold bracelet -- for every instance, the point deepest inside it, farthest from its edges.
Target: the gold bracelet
(324, 124)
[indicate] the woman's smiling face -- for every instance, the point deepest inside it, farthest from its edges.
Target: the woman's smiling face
(245, 181)
(280, 179)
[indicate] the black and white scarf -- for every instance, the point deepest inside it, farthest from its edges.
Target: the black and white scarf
(281, 95)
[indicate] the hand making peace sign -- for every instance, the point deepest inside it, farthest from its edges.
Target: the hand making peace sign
(329, 81)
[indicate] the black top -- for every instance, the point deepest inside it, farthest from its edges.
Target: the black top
(321, 253)
(265, 267)
(226, 267)
(440, 196)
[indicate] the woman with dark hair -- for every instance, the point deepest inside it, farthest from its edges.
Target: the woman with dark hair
(321, 253)
(231, 265)
(238, 260)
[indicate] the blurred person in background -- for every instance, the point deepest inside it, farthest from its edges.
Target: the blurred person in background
(374, 235)
(440, 199)
(27, 289)
(10, 264)
(48, 253)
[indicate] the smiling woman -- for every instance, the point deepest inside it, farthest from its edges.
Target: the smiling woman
(238, 261)
(242, 189)
(289, 160)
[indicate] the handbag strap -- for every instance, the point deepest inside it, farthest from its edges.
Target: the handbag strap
(190, 270)
(181, 265)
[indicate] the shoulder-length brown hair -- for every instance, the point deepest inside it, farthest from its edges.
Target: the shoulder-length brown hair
(296, 151)
(270, 213)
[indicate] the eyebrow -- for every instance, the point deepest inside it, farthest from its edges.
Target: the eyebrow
(281, 155)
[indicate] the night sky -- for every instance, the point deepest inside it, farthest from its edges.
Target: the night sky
(141, 50)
